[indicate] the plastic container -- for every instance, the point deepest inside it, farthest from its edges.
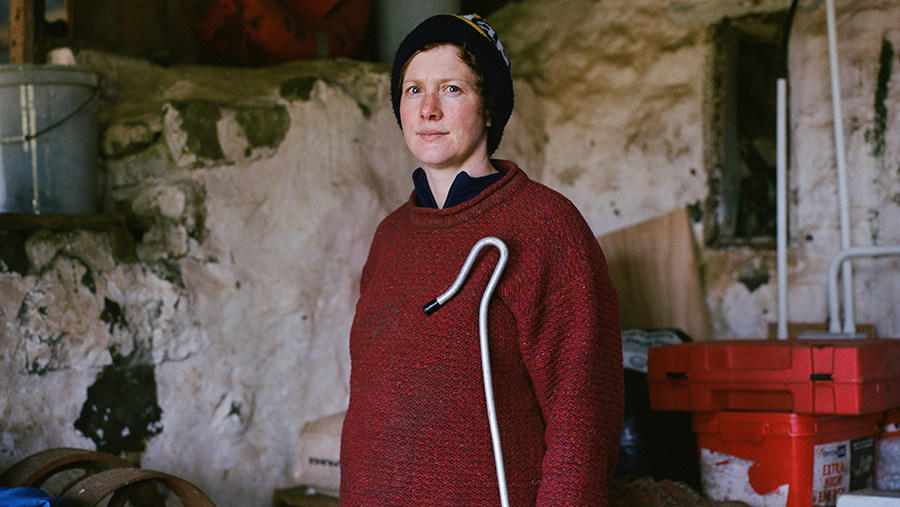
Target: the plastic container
(821, 377)
(870, 498)
(780, 459)
(48, 139)
(887, 475)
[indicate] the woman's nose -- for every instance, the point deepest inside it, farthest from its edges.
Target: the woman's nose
(431, 107)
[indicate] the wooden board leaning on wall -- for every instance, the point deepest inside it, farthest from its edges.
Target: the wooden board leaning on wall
(654, 268)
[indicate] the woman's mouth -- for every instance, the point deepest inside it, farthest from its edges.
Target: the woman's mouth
(431, 135)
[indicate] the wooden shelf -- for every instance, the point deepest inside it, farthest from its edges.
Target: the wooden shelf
(299, 496)
(28, 221)
(115, 225)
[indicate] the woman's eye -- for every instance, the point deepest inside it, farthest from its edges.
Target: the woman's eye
(453, 88)
(413, 89)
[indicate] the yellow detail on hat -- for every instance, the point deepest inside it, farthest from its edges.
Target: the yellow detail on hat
(474, 25)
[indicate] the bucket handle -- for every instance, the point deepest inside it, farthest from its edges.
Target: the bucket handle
(28, 137)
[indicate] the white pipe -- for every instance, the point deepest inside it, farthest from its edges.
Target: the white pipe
(839, 153)
(437, 302)
(843, 258)
(781, 204)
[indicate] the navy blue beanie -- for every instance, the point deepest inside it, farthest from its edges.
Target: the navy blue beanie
(476, 35)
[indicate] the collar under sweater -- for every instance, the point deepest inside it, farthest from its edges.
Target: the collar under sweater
(463, 188)
(511, 179)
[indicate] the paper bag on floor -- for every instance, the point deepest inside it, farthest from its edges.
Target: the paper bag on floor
(318, 455)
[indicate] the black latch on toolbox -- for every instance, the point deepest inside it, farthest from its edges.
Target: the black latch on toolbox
(820, 376)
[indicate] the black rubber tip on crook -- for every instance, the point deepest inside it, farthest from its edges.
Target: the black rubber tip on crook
(431, 307)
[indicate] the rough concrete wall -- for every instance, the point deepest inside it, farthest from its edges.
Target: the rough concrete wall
(868, 34)
(624, 87)
(622, 93)
(252, 194)
(251, 197)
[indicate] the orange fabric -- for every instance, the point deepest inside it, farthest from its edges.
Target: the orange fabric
(265, 32)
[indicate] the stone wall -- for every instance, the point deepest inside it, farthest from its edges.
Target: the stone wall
(625, 89)
(251, 196)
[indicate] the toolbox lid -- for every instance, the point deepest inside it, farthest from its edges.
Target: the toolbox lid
(804, 376)
(796, 360)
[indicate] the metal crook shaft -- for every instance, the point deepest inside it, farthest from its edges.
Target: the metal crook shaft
(439, 301)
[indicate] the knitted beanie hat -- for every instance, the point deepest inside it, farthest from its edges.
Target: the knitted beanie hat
(476, 35)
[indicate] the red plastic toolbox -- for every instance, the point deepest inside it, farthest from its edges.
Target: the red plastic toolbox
(781, 459)
(822, 377)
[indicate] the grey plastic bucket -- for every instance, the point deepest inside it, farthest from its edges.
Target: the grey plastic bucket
(48, 139)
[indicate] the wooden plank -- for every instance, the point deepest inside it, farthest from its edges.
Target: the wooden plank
(299, 496)
(182, 19)
(654, 267)
(165, 29)
(96, 22)
(143, 24)
(70, 16)
(25, 22)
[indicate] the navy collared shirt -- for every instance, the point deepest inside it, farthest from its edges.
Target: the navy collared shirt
(464, 187)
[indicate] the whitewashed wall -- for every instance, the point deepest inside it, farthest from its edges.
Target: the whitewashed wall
(253, 194)
(623, 84)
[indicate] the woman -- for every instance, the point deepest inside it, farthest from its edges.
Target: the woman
(416, 430)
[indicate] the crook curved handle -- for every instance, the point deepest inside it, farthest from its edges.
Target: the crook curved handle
(439, 301)
(433, 305)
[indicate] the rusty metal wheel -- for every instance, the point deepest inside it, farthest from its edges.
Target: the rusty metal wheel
(35, 470)
(132, 485)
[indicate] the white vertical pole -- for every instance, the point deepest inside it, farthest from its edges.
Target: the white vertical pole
(840, 162)
(781, 204)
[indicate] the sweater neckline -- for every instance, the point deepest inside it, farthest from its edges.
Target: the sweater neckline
(513, 179)
(463, 188)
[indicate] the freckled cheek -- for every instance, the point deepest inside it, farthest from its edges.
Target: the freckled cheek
(407, 115)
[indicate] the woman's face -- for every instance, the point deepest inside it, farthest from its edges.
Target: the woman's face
(441, 110)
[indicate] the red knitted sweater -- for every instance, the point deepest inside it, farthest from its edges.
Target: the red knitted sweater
(416, 431)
